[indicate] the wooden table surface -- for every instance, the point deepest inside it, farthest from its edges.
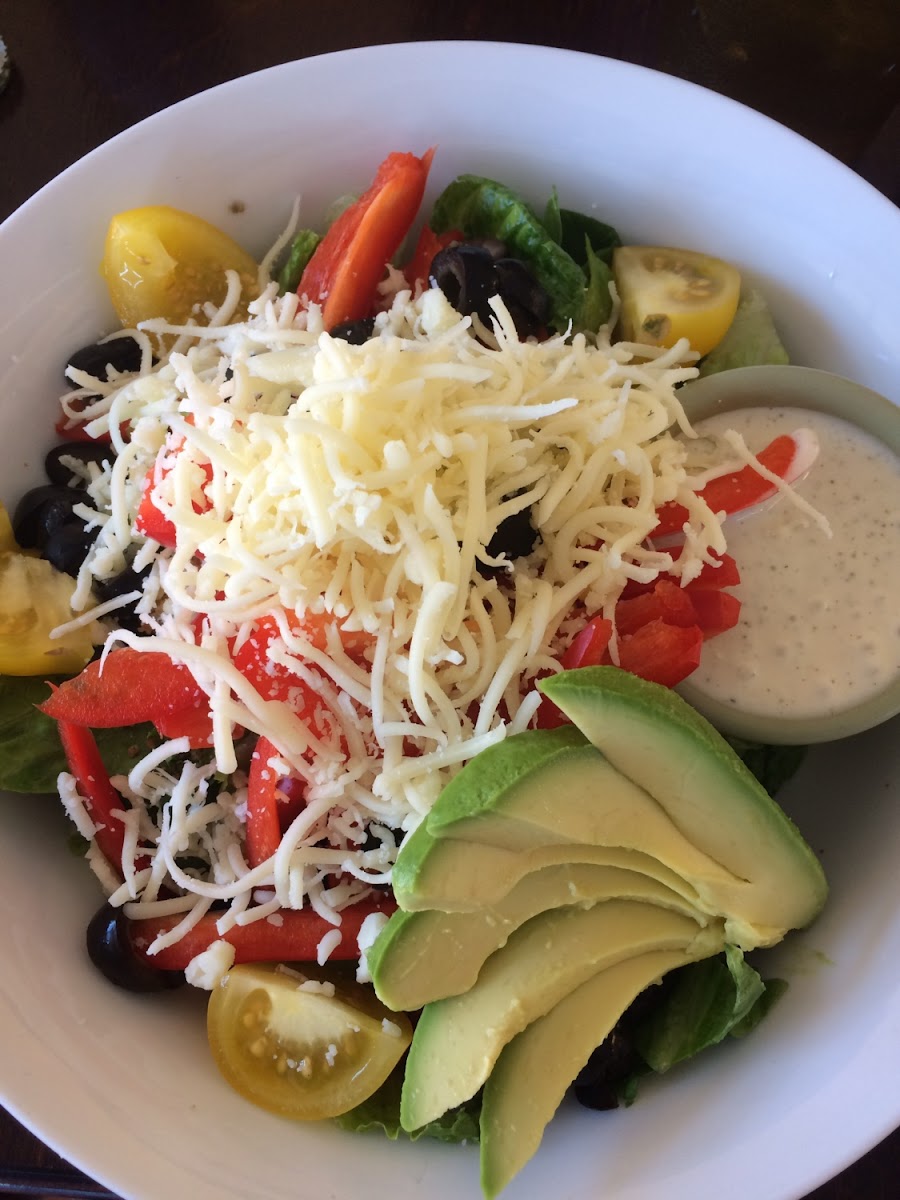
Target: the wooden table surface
(86, 69)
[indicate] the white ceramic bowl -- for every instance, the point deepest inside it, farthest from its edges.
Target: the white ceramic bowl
(124, 1086)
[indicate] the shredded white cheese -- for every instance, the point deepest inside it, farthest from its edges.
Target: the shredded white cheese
(334, 507)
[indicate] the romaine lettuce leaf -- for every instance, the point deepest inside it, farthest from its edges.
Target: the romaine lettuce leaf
(704, 1003)
(752, 339)
(484, 208)
(301, 251)
(31, 755)
(382, 1111)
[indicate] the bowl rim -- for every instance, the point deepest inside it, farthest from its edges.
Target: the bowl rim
(859, 1132)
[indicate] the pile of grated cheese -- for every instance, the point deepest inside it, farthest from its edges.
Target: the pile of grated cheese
(359, 487)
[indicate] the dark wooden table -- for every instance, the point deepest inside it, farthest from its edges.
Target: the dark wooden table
(86, 69)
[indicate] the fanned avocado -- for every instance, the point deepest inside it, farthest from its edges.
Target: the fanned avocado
(425, 956)
(457, 1040)
(641, 797)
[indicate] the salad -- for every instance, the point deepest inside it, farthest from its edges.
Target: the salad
(321, 531)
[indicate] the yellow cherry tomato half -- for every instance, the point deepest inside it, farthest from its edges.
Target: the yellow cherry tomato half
(300, 1043)
(668, 294)
(7, 540)
(160, 262)
(34, 600)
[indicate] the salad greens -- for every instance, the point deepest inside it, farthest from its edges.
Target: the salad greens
(570, 254)
(705, 1002)
(751, 341)
(31, 755)
(481, 208)
(382, 1112)
(301, 250)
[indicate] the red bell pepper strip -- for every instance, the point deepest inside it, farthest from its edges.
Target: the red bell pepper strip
(714, 578)
(429, 244)
(130, 687)
(73, 430)
(295, 939)
(740, 489)
(662, 653)
(716, 611)
(349, 262)
(711, 577)
(665, 602)
(588, 649)
(274, 681)
(100, 797)
(149, 520)
(263, 826)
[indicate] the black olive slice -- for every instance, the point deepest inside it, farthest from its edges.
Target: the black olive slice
(109, 947)
(42, 511)
(356, 333)
(123, 353)
(85, 452)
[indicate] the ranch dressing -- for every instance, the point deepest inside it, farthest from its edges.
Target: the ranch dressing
(819, 629)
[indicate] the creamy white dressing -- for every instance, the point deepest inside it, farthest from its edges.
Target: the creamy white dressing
(820, 620)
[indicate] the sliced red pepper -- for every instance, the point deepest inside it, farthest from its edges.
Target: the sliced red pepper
(263, 826)
(295, 938)
(100, 797)
(716, 611)
(589, 646)
(348, 264)
(130, 687)
(588, 649)
(714, 578)
(73, 430)
(665, 602)
(276, 682)
(740, 489)
(149, 520)
(726, 574)
(429, 244)
(662, 653)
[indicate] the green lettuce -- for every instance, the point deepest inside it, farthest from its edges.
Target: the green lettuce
(482, 207)
(704, 1003)
(301, 251)
(31, 755)
(382, 1112)
(773, 766)
(752, 339)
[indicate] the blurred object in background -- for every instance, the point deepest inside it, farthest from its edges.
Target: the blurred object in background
(4, 65)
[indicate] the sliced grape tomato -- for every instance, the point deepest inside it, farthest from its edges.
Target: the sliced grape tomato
(306, 1043)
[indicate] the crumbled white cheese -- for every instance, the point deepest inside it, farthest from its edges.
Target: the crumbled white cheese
(208, 968)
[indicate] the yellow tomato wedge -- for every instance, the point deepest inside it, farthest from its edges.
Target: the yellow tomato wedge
(7, 541)
(286, 1042)
(34, 599)
(160, 262)
(668, 294)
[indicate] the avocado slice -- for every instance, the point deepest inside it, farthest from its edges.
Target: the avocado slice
(457, 1040)
(534, 1071)
(570, 795)
(457, 876)
(659, 742)
(420, 957)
